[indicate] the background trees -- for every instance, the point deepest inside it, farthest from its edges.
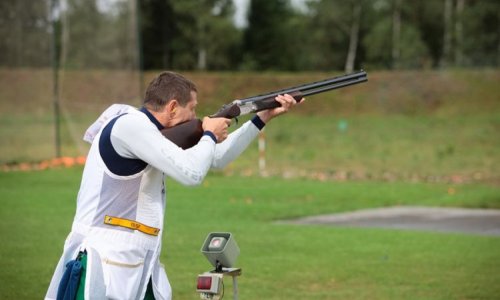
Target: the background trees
(328, 34)
(24, 39)
(279, 35)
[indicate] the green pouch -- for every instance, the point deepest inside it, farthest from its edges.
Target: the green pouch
(81, 286)
(71, 279)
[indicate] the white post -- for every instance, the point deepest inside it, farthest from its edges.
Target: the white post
(262, 153)
(235, 288)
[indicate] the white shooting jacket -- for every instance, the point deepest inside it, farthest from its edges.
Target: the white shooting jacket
(124, 177)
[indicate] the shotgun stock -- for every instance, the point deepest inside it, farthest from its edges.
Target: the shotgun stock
(187, 134)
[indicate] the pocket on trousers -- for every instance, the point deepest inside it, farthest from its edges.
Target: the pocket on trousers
(122, 272)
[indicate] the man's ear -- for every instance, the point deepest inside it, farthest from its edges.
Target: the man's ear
(171, 106)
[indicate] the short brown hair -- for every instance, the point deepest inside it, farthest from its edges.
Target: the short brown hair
(167, 86)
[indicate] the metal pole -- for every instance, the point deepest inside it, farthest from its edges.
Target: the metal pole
(55, 76)
(139, 48)
(235, 288)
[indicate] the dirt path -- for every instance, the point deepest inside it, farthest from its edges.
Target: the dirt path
(472, 221)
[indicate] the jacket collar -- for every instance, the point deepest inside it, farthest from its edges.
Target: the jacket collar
(152, 118)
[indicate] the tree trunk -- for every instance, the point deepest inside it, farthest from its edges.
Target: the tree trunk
(202, 59)
(396, 34)
(19, 35)
(447, 37)
(202, 52)
(498, 39)
(459, 36)
(354, 37)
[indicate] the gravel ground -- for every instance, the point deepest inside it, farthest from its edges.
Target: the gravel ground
(471, 221)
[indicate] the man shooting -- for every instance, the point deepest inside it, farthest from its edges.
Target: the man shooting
(117, 229)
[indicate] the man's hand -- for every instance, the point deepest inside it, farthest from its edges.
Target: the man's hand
(218, 126)
(286, 102)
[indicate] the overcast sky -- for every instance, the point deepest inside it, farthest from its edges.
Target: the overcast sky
(239, 17)
(242, 8)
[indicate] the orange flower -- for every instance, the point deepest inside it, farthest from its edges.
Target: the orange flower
(67, 161)
(80, 160)
(24, 167)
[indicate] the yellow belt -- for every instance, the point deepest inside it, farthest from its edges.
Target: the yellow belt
(131, 225)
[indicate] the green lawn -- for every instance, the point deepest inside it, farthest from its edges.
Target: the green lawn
(404, 138)
(279, 261)
(369, 146)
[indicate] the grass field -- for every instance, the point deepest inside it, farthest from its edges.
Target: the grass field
(425, 138)
(279, 261)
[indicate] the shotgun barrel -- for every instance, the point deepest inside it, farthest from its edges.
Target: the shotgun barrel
(266, 101)
(315, 87)
(187, 134)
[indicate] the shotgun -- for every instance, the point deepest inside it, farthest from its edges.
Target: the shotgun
(187, 134)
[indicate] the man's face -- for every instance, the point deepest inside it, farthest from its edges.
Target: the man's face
(187, 113)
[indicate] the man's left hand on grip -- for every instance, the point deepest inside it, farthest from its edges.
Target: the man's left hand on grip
(218, 126)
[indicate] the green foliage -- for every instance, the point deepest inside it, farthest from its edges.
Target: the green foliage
(266, 43)
(480, 21)
(201, 34)
(378, 39)
(328, 32)
(412, 48)
(158, 27)
(189, 34)
(24, 33)
(98, 37)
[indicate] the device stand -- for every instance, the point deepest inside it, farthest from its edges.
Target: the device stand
(234, 273)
